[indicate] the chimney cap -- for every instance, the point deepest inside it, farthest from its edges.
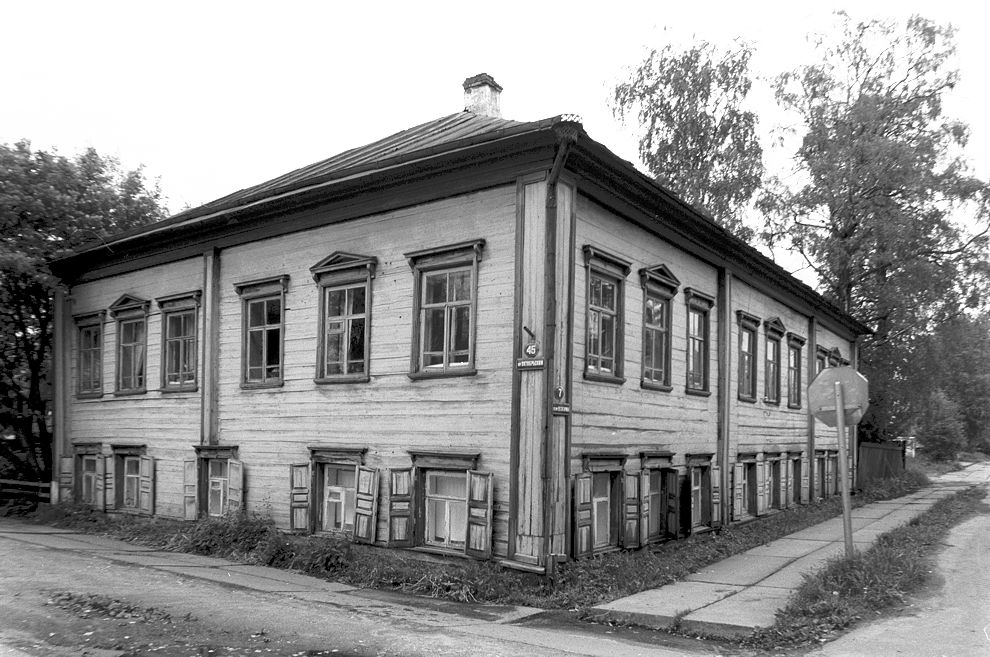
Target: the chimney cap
(481, 79)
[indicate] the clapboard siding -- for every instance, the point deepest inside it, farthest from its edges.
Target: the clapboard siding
(168, 424)
(761, 426)
(390, 414)
(628, 418)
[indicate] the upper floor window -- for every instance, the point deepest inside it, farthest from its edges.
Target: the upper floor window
(821, 359)
(747, 355)
(262, 328)
(699, 306)
(774, 330)
(89, 366)
(343, 351)
(604, 315)
(180, 315)
(659, 286)
(131, 314)
(445, 308)
(794, 345)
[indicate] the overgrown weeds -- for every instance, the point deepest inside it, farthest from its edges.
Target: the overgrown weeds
(847, 590)
(573, 585)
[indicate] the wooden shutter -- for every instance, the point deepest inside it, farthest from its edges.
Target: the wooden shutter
(631, 510)
(299, 480)
(738, 472)
(146, 485)
(190, 488)
(66, 470)
(479, 514)
(805, 480)
(716, 495)
(583, 540)
(673, 510)
(109, 483)
(762, 501)
(100, 494)
(400, 507)
(235, 487)
(706, 499)
(830, 476)
(684, 482)
(366, 505)
(644, 506)
(782, 481)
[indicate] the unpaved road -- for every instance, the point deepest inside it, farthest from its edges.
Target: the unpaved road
(57, 600)
(951, 621)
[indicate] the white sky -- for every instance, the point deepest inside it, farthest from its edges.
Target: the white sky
(215, 96)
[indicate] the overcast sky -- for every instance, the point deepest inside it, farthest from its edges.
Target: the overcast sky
(215, 96)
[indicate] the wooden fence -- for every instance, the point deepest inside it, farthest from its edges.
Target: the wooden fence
(879, 461)
(31, 491)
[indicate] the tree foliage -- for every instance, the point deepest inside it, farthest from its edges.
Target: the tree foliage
(940, 429)
(696, 138)
(881, 179)
(49, 205)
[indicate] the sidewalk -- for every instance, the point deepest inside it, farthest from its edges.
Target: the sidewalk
(742, 593)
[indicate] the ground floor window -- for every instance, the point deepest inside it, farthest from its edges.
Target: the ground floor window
(338, 493)
(597, 505)
(88, 478)
(820, 489)
(447, 508)
(213, 483)
(773, 483)
(704, 494)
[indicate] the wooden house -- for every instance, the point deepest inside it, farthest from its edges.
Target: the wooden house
(476, 336)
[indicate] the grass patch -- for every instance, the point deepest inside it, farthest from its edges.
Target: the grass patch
(574, 584)
(847, 591)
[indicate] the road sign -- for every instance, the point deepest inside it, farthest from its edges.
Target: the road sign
(855, 393)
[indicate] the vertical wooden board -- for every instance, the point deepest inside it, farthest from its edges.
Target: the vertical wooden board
(762, 501)
(299, 496)
(400, 507)
(644, 506)
(109, 486)
(66, 472)
(805, 480)
(673, 510)
(631, 510)
(583, 543)
(716, 492)
(235, 487)
(146, 485)
(366, 505)
(738, 472)
(190, 489)
(100, 500)
(560, 490)
(479, 515)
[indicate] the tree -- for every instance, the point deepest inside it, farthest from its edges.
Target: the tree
(697, 140)
(881, 181)
(49, 205)
(940, 428)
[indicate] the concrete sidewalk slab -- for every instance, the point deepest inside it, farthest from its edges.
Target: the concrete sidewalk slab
(156, 559)
(661, 608)
(743, 569)
(786, 547)
(233, 578)
(738, 614)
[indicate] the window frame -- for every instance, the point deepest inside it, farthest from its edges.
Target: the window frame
(773, 330)
(180, 304)
(607, 267)
(255, 291)
(424, 262)
(339, 457)
(698, 303)
(658, 282)
(130, 310)
(747, 326)
(87, 322)
(701, 465)
(794, 384)
(343, 271)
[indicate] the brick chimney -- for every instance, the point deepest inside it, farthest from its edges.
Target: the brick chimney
(481, 95)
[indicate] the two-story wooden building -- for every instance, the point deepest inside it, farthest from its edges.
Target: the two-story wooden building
(475, 336)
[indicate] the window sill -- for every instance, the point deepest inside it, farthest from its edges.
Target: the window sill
(795, 407)
(346, 378)
(747, 399)
(440, 551)
(772, 402)
(604, 378)
(262, 386)
(129, 393)
(89, 395)
(697, 393)
(175, 389)
(442, 374)
(660, 387)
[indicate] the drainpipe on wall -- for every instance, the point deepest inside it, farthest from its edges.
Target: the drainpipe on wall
(60, 398)
(567, 134)
(812, 364)
(724, 402)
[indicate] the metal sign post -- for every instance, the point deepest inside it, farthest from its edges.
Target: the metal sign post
(840, 428)
(838, 397)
